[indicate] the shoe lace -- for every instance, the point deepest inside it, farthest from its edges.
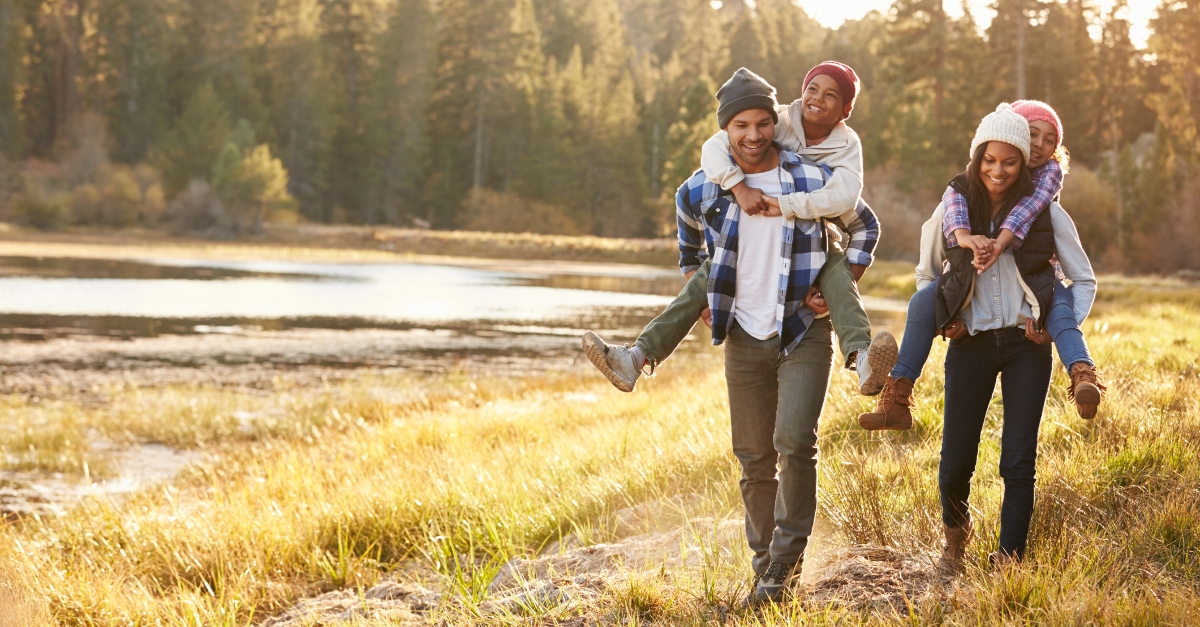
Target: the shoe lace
(777, 572)
(1086, 375)
(888, 395)
(649, 363)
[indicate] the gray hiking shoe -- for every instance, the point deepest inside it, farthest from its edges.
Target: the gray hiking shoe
(773, 584)
(616, 362)
(875, 363)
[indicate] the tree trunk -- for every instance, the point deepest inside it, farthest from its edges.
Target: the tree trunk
(1021, 49)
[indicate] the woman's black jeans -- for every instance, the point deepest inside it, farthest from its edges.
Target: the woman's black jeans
(972, 364)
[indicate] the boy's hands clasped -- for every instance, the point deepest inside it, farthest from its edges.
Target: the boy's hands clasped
(754, 202)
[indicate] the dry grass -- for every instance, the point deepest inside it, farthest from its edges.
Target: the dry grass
(442, 481)
(345, 243)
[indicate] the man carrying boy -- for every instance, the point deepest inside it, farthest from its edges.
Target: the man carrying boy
(814, 127)
(761, 295)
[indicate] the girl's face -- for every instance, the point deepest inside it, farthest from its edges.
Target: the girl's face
(999, 168)
(1042, 143)
(823, 102)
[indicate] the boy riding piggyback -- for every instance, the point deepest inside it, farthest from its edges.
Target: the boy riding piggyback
(814, 127)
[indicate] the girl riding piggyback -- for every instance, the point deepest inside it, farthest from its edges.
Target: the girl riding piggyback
(1048, 162)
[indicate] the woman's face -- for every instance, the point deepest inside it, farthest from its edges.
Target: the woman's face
(1043, 141)
(1000, 166)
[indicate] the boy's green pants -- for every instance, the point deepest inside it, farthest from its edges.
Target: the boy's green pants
(665, 333)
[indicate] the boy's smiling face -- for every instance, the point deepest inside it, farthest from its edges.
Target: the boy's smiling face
(823, 104)
(1043, 141)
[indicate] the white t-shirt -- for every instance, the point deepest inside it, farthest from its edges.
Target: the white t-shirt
(760, 240)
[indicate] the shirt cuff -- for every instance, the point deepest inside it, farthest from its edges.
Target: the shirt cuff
(858, 257)
(733, 179)
(787, 207)
(1016, 242)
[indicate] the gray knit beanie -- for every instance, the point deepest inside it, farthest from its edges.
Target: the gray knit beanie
(1003, 125)
(744, 90)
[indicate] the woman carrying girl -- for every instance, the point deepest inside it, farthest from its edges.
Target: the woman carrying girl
(992, 311)
(1048, 162)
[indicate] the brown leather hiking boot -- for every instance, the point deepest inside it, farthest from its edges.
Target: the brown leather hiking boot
(893, 413)
(1086, 389)
(999, 560)
(951, 562)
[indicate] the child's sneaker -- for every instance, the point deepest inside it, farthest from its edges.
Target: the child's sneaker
(874, 364)
(1086, 389)
(616, 362)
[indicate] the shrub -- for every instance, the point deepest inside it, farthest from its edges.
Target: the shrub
(41, 210)
(508, 213)
(86, 204)
(286, 217)
(197, 209)
(1092, 204)
(900, 213)
(121, 200)
(251, 185)
(120, 197)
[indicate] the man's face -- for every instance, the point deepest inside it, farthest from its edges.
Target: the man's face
(823, 104)
(750, 135)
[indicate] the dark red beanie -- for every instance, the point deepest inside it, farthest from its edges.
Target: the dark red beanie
(842, 74)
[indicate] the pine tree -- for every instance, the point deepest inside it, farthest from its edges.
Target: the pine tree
(303, 109)
(134, 40)
(489, 56)
(1070, 84)
(399, 106)
(216, 43)
(250, 183)
(934, 96)
(697, 122)
(1176, 31)
(192, 146)
(347, 33)
(11, 79)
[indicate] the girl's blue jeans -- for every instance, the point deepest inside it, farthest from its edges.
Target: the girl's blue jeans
(920, 330)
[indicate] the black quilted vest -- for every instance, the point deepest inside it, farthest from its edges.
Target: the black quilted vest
(955, 285)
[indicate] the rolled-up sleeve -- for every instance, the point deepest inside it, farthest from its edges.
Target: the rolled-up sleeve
(863, 227)
(955, 215)
(692, 252)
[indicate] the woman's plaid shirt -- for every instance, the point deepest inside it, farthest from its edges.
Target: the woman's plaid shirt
(707, 218)
(1047, 183)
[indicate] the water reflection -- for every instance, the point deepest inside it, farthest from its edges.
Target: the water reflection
(68, 267)
(63, 297)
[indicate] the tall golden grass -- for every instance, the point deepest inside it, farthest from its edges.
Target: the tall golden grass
(337, 488)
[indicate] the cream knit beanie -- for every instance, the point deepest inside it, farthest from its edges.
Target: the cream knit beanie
(1003, 125)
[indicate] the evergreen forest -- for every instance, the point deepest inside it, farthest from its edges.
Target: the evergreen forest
(562, 116)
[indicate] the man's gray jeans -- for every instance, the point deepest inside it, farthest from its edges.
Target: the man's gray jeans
(774, 404)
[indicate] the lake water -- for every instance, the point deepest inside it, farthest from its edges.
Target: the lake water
(389, 294)
(78, 327)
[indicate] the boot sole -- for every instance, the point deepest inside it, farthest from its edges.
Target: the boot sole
(873, 426)
(1087, 398)
(881, 356)
(593, 347)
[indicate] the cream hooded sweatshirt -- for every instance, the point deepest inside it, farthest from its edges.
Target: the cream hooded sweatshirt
(841, 151)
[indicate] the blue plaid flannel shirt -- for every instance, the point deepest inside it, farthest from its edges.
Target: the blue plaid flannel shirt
(707, 217)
